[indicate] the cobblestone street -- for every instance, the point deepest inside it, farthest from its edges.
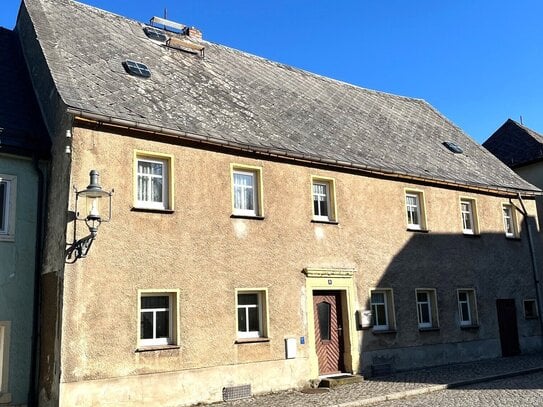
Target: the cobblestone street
(521, 390)
(525, 390)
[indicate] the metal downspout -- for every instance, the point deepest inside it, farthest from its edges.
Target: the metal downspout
(34, 360)
(534, 266)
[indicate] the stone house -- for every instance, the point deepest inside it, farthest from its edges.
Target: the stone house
(23, 155)
(269, 226)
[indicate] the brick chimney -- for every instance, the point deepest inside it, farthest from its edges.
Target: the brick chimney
(194, 33)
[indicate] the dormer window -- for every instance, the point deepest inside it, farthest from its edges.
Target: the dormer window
(155, 34)
(136, 68)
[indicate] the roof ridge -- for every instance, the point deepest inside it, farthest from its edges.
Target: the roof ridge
(528, 129)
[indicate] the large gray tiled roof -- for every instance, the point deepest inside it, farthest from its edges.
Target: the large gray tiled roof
(235, 98)
(515, 145)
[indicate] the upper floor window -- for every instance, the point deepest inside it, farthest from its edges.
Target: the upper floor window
(414, 204)
(468, 212)
(153, 181)
(8, 190)
(324, 206)
(247, 190)
(509, 221)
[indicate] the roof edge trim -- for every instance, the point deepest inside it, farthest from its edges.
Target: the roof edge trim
(149, 128)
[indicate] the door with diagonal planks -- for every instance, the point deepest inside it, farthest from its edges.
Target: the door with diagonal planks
(328, 331)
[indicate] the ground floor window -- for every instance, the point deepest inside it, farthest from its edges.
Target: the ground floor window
(382, 309)
(251, 314)
(157, 318)
(5, 328)
(530, 309)
(467, 307)
(426, 308)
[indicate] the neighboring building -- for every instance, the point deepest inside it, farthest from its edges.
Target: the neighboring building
(23, 142)
(521, 149)
(260, 213)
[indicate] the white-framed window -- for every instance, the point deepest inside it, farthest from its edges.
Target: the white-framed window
(382, 309)
(152, 183)
(251, 308)
(5, 333)
(509, 221)
(245, 193)
(157, 318)
(468, 212)
(414, 204)
(323, 194)
(8, 189)
(426, 308)
(247, 190)
(467, 307)
(530, 309)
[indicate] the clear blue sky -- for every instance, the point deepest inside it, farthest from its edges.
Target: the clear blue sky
(478, 62)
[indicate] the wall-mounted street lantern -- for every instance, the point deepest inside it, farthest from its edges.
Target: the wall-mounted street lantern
(90, 203)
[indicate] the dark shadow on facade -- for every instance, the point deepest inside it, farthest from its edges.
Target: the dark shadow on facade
(450, 298)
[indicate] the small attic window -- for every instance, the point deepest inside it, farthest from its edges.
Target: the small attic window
(136, 68)
(154, 34)
(455, 148)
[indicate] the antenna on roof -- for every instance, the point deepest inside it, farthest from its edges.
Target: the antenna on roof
(521, 120)
(165, 13)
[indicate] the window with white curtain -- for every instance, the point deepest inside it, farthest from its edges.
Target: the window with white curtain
(152, 183)
(245, 193)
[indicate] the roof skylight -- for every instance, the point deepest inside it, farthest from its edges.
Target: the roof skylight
(155, 34)
(136, 68)
(455, 148)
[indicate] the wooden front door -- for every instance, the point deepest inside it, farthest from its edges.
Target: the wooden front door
(328, 331)
(507, 321)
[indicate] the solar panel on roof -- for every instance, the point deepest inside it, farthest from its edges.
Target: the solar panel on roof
(155, 34)
(455, 148)
(136, 68)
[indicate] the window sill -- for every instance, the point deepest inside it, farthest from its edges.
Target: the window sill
(241, 341)
(417, 230)
(153, 210)
(472, 235)
(431, 329)
(329, 222)
(153, 348)
(383, 331)
(468, 327)
(255, 217)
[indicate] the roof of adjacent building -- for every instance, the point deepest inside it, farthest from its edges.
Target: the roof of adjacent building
(515, 145)
(21, 129)
(236, 99)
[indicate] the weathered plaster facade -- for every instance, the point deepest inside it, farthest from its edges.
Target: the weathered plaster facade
(206, 255)
(206, 118)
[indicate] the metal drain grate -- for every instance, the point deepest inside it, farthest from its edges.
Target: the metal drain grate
(236, 392)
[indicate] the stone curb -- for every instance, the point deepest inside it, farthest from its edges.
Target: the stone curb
(437, 387)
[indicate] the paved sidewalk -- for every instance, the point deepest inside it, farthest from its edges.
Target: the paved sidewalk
(400, 385)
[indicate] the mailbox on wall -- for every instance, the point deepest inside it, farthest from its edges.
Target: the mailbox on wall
(364, 319)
